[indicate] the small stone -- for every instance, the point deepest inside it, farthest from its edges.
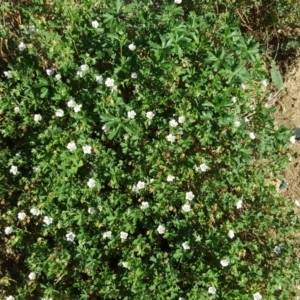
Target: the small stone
(283, 184)
(297, 133)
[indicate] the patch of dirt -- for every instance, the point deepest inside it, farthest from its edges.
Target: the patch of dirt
(288, 114)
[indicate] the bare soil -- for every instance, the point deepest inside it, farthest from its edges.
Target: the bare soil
(287, 102)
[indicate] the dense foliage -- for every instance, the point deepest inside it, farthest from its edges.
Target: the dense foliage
(137, 154)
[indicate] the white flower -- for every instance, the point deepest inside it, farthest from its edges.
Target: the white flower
(231, 234)
(277, 250)
(125, 265)
(140, 185)
(212, 290)
(77, 107)
(123, 235)
(50, 71)
(107, 235)
(36, 169)
(131, 114)
(104, 128)
(203, 167)
(252, 135)
(13, 170)
(150, 115)
(243, 86)
(32, 276)
(91, 210)
(84, 68)
(173, 123)
(257, 296)
(170, 178)
(71, 103)
(37, 118)
(22, 46)
(189, 196)
(239, 204)
(16, 109)
(237, 123)
(95, 24)
(234, 99)
(264, 83)
(70, 236)
(293, 139)
(48, 220)
(180, 298)
(72, 146)
(297, 202)
(177, 1)
(114, 88)
(58, 77)
(36, 212)
(171, 138)
(135, 189)
(225, 262)
(186, 246)
(59, 113)
(134, 75)
(91, 183)
(10, 298)
(8, 74)
(21, 216)
(99, 79)
(125, 137)
(80, 73)
(161, 229)
(31, 29)
(132, 47)
(87, 149)
(109, 82)
(181, 119)
(151, 180)
(8, 230)
(144, 205)
(186, 207)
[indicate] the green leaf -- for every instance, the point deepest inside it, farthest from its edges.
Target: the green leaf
(115, 132)
(178, 255)
(42, 83)
(276, 76)
(44, 92)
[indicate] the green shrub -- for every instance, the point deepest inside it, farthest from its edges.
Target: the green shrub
(135, 153)
(260, 15)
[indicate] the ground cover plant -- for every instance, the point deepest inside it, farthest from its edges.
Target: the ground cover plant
(138, 157)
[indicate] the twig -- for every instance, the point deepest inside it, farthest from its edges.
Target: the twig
(59, 278)
(276, 51)
(217, 7)
(244, 23)
(274, 98)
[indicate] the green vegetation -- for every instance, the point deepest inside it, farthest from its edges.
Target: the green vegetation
(136, 156)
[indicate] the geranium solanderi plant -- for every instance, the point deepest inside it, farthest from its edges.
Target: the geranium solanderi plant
(138, 156)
